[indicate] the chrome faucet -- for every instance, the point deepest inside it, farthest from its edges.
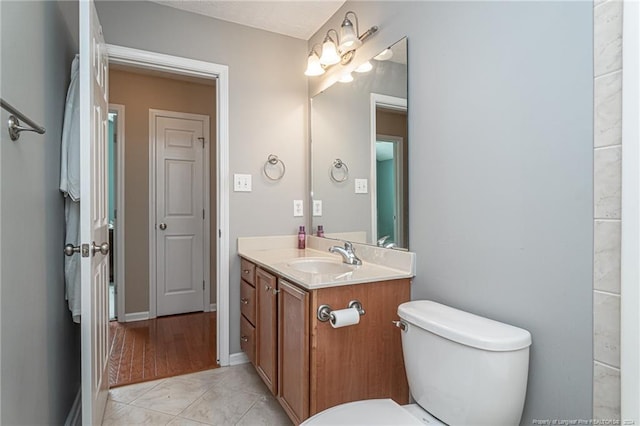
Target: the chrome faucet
(348, 253)
(382, 242)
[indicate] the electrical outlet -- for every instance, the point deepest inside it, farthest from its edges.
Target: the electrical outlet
(317, 207)
(361, 186)
(298, 208)
(241, 183)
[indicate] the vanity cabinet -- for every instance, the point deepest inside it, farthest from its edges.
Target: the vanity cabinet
(248, 310)
(267, 328)
(311, 366)
(293, 339)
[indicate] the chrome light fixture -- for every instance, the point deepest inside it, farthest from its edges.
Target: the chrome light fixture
(330, 54)
(349, 35)
(338, 48)
(314, 67)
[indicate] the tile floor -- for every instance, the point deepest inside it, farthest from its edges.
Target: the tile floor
(223, 396)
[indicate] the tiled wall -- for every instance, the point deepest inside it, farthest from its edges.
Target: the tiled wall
(607, 157)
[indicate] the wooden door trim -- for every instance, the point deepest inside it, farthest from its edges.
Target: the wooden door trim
(153, 275)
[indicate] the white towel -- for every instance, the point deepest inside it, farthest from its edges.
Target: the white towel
(70, 187)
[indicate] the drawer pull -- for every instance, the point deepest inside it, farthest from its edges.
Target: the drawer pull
(275, 291)
(266, 288)
(244, 301)
(244, 338)
(245, 271)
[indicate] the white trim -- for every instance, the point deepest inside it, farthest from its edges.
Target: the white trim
(398, 149)
(630, 247)
(390, 102)
(186, 66)
(238, 358)
(74, 417)
(136, 316)
(206, 245)
(213, 307)
(119, 248)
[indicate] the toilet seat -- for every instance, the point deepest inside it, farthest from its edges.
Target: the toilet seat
(370, 412)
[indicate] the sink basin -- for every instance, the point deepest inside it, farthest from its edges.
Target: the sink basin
(320, 266)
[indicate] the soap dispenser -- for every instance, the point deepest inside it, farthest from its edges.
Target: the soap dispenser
(302, 237)
(320, 232)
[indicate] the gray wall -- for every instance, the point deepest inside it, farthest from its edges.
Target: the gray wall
(340, 128)
(40, 372)
(268, 110)
(501, 172)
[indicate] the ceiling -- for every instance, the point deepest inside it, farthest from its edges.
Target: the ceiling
(300, 19)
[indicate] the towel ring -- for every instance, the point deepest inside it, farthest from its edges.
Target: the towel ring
(338, 164)
(273, 160)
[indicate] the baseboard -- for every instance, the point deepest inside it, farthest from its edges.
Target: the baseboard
(238, 358)
(136, 316)
(74, 418)
(213, 307)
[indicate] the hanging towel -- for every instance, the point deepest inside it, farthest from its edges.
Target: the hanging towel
(70, 187)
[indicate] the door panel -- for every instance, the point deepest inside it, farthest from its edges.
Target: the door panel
(94, 264)
(179, 228)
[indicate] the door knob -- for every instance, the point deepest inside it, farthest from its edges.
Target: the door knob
(163, 226)
(102, 248)
(70, 249)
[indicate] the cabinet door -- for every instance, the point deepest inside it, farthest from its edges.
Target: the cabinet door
(293, 363)
(266, 329)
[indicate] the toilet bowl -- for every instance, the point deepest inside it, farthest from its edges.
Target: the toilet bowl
(462, 369)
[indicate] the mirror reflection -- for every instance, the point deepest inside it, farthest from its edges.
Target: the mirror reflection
(359, 153)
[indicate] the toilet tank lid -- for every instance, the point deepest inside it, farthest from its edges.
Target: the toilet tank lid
(463, 327)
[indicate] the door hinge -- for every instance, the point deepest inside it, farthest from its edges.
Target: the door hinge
(202, 139)
(202, 214)
(115, 213)
(203, 284)
(219, 233)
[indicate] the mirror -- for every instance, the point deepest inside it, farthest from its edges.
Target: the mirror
(359, 146)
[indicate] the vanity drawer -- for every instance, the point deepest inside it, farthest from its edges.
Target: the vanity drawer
(248, 271)
(248, 339)
(248, 301)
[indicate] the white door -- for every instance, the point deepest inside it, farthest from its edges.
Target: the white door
(180, 175)
(94, 264)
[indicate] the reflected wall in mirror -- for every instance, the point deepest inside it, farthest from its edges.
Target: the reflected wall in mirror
(359, 149)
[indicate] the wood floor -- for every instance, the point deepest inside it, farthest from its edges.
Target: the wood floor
(161, 347)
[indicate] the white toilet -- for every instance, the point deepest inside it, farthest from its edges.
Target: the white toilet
(462, 370)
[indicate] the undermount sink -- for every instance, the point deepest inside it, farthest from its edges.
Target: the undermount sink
(320, 266)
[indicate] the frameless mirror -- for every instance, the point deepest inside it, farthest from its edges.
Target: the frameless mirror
(359, 154)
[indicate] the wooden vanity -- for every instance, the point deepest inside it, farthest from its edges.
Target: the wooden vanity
(306, 363)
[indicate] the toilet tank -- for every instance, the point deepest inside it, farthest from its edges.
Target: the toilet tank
(462, 368)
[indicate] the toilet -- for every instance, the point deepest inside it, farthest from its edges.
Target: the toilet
(462, 369)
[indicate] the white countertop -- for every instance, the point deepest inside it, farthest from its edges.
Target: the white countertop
(277, 258)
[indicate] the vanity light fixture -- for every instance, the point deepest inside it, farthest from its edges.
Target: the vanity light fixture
(338, 48)
(347, 78)
(314, 67)
(330, 54)
(385, 55)
(365, 67)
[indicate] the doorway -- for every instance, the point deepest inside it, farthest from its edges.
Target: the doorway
(185, 69)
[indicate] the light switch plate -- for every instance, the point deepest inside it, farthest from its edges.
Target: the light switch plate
(241, 183)
(361, 186)
(317, 207)
(298, 208)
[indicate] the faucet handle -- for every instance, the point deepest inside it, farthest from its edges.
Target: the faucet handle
(348, 246)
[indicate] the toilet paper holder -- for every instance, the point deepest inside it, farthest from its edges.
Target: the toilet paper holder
(324, 311)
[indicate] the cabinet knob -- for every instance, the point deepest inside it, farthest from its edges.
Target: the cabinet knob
(244, 301)
(275, 291)
(266, 288)
(245, 271)
(244, 338)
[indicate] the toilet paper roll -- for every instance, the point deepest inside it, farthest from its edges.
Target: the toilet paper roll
(344, 317)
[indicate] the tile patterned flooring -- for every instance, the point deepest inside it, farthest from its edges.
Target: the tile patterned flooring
(222, 396)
